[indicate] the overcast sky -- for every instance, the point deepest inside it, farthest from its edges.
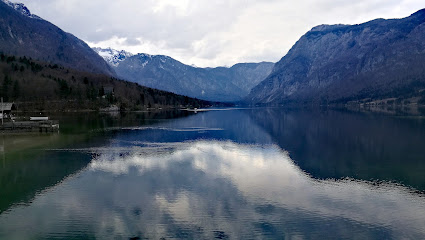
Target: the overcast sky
(209, 33)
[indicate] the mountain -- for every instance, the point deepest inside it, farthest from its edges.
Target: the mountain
(21, 8)
(166, 73)
(38, 86)
(341, 63)
(25, 34)
(112, 56)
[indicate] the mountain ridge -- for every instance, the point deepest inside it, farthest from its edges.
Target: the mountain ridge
(111, 56)
(227, 84)
(21, 8)
(25, 34)
(340, 63)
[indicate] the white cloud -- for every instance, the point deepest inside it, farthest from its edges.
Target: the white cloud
(209, 33)
(180, 7)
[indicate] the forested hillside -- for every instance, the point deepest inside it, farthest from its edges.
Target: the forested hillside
(39, 86)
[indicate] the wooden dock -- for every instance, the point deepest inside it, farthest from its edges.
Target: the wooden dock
(30, 126)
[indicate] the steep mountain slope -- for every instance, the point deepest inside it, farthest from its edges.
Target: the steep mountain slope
(24, 34)
(35, 85)
(166, 73)
(339, 63)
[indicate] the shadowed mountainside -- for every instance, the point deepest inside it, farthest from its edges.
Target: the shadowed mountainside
(341, 63)
(166, 73)
(24, 34)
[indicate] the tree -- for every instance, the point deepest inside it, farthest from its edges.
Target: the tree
(16, 90)
(63, 87)
(101, 91)
(6, 83)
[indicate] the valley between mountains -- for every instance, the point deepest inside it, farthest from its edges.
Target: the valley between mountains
(378, 61)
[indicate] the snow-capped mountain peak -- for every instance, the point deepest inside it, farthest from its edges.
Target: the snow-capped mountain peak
(21, 8)
(112, 56)
(144, 59)
(144, 55)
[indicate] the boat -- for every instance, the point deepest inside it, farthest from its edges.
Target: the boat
(39, 118)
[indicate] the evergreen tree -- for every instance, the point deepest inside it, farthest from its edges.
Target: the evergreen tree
(6, 84)
(16, 90)
(102, 91)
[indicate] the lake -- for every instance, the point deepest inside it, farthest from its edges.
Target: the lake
(264, 173)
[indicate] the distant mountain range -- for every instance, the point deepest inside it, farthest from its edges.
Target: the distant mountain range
(166, 73)
(25, 34)
(342, 63)
(380, 59)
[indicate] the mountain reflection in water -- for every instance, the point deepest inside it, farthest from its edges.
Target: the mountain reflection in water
(238, 174)
(202, 189)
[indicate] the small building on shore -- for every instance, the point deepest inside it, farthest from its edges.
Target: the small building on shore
(6, 109)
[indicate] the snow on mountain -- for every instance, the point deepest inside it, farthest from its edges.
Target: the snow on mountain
(112, 56)
(165, 73)
(24, 34)
(21, 8)
(144, 59)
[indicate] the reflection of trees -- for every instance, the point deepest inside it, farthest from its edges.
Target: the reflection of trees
(21, 179)
(337, 144)
(208, 189)
(27, 168)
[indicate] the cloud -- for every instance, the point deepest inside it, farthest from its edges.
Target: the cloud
(132, 42)
(209, 33)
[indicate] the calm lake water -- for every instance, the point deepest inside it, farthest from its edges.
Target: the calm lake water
(228, 174)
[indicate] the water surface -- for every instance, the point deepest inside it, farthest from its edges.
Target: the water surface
(234, 174)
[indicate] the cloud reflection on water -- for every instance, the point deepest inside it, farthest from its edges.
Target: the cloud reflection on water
(266, 174)
(206, 189)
